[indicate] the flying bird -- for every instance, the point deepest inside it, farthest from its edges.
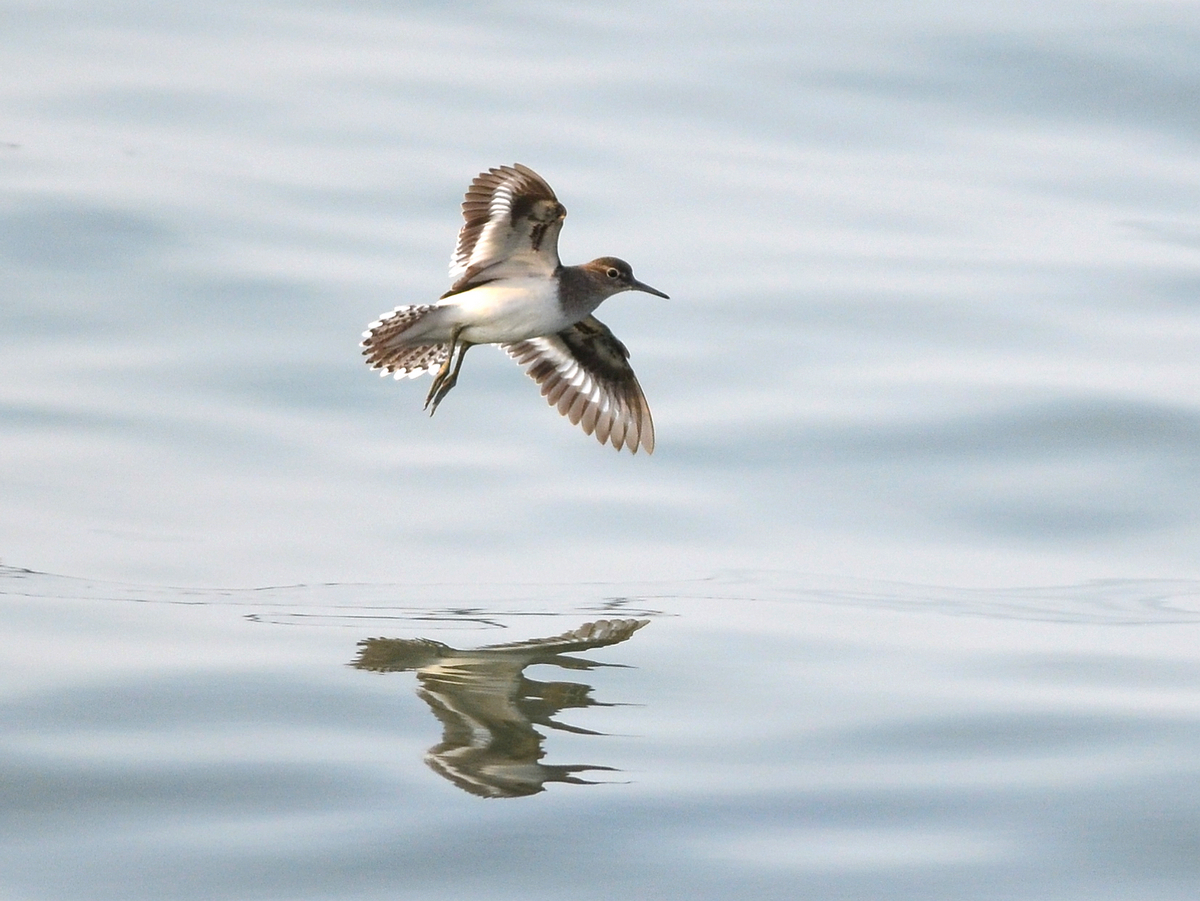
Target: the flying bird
(509, 288)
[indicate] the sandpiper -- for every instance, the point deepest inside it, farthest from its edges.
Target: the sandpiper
(510, 289)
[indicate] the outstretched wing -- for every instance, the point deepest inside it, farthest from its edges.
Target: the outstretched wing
(584, 371)
(512, 221)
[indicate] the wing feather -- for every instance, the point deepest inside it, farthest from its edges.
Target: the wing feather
(584, 372)
(510, 229)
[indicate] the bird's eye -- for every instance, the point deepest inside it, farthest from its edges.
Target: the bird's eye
(613, 273)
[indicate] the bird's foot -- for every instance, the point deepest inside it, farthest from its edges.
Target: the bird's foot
(441, 387)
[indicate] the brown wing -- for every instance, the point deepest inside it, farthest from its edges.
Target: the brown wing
(512, 221)
(584, 371)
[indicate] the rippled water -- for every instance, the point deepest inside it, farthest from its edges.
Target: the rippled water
(917, 545)
(769, 734)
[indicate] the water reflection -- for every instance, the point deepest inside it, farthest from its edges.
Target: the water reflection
(488, 708)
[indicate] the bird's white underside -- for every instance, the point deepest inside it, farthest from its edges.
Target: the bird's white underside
(507, 311)
(503, 312)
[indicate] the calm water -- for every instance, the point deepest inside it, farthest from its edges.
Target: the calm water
(906, 604)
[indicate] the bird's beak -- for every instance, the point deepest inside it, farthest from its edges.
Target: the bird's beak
(642, 286)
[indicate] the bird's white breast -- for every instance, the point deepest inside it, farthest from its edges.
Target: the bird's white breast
(507, 310)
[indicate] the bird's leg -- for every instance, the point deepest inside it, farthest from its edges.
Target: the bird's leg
(443, 387)
(450, 380)
(445, 378)
(444, 369)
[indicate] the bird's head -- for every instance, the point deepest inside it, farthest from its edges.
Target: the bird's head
(612, 276)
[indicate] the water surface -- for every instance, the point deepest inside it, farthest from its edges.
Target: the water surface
(916, 545)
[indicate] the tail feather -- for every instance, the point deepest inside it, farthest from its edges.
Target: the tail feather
(386, 350)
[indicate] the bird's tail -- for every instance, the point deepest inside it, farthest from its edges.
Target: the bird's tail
(386, 348)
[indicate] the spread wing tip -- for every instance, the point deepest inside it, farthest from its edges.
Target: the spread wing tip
(583, 373)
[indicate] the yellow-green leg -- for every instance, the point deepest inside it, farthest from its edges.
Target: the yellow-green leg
(445, 378)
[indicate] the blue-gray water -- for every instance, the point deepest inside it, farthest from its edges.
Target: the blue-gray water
(917, 546)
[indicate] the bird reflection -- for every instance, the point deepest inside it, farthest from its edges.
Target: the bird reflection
(488, 708)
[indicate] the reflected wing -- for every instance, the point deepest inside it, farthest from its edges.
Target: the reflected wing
(601, 633)
(512, 221)
(584, 371)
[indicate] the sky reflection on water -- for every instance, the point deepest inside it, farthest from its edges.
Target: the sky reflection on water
(934, 274)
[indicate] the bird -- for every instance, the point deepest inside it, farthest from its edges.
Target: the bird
(509, 288)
